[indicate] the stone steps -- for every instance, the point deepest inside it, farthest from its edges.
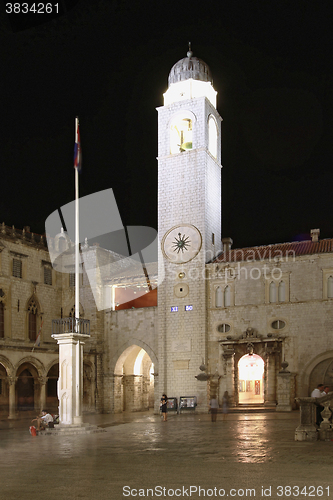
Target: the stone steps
(71, 430)
(252, 408)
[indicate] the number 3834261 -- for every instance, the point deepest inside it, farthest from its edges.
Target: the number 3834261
(35, 8)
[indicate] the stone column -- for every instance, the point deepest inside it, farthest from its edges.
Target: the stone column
(12, 383)
(270, 389)
(157, 396)
(229, 380)
(42, 382)
(70, 383)
(285, 391)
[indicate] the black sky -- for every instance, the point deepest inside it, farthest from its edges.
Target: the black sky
(108, 63)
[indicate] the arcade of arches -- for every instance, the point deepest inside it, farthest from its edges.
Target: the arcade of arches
(252, 380)
(30, 387)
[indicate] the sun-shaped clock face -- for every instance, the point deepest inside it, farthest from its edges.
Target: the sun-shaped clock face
(181, 243)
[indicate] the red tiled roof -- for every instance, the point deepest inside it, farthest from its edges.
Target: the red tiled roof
(279, 250)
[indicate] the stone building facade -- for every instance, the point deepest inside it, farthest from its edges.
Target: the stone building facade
(256, 322)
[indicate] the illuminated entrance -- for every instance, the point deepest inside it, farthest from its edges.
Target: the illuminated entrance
(250, 376)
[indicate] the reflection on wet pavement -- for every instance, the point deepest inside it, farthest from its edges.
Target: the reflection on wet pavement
(140, 449)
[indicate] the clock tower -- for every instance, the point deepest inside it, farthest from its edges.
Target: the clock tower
(189, 223)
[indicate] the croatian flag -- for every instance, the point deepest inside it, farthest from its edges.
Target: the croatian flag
(37, 342)
(77, 149)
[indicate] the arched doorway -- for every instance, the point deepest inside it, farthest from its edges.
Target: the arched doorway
(52, 402)
(25, 390)
(322, 373)
(250, 376)
(134, 381)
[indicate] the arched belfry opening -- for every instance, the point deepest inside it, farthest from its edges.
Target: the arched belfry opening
(322, 373)
(251, 379)
(134, 381)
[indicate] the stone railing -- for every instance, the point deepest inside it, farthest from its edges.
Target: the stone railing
(308, 430)
(70, 325)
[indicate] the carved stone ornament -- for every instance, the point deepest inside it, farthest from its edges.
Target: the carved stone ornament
(250, 348)
(251, 333)
(12, 380)
(228, 352)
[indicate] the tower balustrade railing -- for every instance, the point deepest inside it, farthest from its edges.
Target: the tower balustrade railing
(71, 325)
(315, 419)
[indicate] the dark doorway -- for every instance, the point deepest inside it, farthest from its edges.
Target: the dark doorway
(25, 391)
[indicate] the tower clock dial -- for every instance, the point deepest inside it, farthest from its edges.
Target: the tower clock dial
(181, 243)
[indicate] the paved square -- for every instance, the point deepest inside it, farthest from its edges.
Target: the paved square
(140, 455)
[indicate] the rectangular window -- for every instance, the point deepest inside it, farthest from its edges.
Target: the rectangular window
(47, 275)
(17, 268)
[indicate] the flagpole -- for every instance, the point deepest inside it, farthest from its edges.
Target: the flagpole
(77, 238)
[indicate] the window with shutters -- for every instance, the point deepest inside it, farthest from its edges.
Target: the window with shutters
(47, 275)
(17, 268)
(72, 279)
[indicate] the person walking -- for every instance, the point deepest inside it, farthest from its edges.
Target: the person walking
(164, 407)
(214, 405)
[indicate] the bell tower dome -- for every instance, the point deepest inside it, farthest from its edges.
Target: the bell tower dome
(190, 77)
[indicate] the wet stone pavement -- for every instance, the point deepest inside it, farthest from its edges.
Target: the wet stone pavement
(140, 456)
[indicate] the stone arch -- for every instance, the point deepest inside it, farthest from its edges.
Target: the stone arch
(130, 342)
(188, 119)
(28, 388)
(132, 366)
(305, 378)
(38, 366)
(6, 373)
(213, 135)
(9, 367)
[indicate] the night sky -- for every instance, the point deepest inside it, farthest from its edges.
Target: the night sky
(108, 62)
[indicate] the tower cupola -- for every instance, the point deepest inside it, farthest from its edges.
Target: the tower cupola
(189, 78)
